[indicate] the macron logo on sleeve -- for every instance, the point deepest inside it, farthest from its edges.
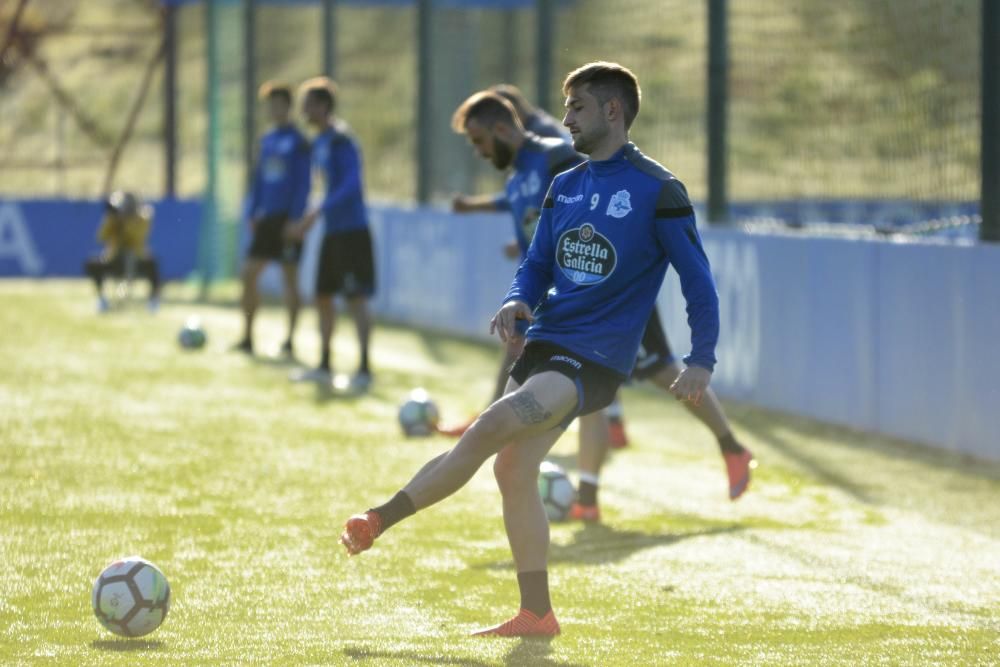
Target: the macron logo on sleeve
(563, 199)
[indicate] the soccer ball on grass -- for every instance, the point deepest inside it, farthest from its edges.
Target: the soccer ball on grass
(131, 597)
(192, 336)
(418, 415)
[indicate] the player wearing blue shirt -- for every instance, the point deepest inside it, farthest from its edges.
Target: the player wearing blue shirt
(346, 263)
(533, 120)
(277, 196)
(494, 130)
(608, 230)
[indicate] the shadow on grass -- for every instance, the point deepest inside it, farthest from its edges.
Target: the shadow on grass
(597, 543)
(364, 654)
(527, 652)
(534, 651)
(127, 645)
(278, 361)
(823, 472)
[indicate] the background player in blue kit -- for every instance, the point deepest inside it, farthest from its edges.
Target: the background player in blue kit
(346, 262)
(608, 230)
(277, 197)
(494, 129)
(533, 120)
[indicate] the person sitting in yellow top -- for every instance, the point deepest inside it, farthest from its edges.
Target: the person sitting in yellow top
(124, 232)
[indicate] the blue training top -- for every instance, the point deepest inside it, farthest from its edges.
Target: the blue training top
(337, 155)
(537, 162)
(281, 177)
(542, 125)
(607, 233)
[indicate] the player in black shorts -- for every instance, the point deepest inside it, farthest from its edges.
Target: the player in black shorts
(278, 195)
(656, 363)
(346, 262)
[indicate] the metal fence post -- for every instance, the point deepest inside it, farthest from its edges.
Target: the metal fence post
(330, 38)
(170, 100)
(544, 48)
(990, 141)
(250, 86)
(425, 89)
(718, 75)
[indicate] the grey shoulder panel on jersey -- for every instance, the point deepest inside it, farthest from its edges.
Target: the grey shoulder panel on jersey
(562, 157)
(647, 165)
(673, 200)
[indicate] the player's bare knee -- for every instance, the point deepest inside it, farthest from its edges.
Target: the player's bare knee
(514, 473)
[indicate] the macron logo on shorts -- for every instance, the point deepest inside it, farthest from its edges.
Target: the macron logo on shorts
(566, 360)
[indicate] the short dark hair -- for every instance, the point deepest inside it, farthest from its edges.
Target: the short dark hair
(275, 89)
(321, 88)
(608, 80)
(485, 107)
(513, 94)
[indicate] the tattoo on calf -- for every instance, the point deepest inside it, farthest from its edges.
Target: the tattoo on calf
(528, 409)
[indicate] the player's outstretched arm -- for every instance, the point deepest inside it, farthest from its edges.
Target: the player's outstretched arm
(476, 203)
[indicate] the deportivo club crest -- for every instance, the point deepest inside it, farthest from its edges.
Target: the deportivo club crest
(620, 204)
(585, 255)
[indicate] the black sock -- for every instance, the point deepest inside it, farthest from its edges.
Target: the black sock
(587, 495)
(535, 592)
(324, 360)
(394, 511)
(728, 445)
(363, 368)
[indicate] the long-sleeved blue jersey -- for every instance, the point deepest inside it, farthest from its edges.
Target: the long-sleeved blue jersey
(607, 233)
(537, 162)
(338, 156)
(281, 178)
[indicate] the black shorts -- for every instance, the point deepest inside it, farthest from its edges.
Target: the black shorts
(269, 242)
(596, 385)
(654, 351)
(346, 264)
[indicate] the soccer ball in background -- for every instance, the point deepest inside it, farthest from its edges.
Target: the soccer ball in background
(556, 490)
(192, 336)
(131, 597)
(418, 415)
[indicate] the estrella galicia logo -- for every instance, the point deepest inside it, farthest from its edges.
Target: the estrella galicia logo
(585, 255)
(620, 204)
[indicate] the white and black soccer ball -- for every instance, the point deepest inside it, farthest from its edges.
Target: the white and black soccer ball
(192, 336)
(556, 490)
(131, 597)
(418, 415)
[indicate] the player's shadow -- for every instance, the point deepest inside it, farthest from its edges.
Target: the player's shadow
(526, 653)
(597, 543)
(534, 651)
(363, 654)
(276, 361)
(127, 645)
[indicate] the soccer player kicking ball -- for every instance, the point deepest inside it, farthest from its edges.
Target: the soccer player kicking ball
(607, 232)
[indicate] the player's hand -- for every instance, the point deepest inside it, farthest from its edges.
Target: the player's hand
(691, 384)
(297, 231)
(460, 204)
(512, 250)
(504, 323)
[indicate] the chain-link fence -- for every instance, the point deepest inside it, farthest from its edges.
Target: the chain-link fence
(861, 99)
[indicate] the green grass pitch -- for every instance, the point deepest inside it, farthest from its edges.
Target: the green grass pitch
(849, 549)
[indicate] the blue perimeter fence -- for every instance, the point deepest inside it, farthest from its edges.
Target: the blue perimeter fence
(888, 337)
